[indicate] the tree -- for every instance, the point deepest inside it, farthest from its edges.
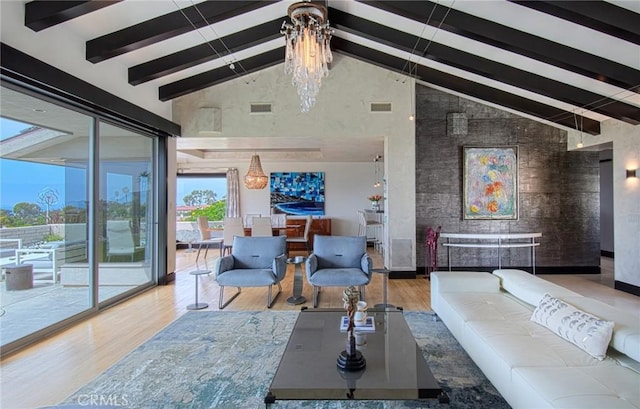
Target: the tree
(214, 212)
(6, 218)
(48, 197)
(27, 214)
(200, 198)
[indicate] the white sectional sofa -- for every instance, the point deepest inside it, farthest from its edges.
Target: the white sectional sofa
(531, 366)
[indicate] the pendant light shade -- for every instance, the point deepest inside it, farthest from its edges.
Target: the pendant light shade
(255, 177)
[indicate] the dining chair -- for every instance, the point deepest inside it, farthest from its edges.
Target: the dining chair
(261, 226)
(233, 226)
(248, 218)
(205, 236)
(304, 239)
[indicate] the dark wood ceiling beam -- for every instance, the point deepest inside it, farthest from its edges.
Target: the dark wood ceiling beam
(220, 75)
(167, 26)
(466, 87)
(516, 41)
(485, 67)
(202, 53)
(41, 14)
(598, 15)
(27, 71)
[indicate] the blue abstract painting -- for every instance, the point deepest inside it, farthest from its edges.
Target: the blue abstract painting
(297, 193)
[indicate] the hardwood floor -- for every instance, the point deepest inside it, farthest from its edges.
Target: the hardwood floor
(46, 373)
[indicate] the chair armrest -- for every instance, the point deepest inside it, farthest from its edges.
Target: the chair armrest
(224, 264)
(366, 264)
(280, 267)
(311, 265)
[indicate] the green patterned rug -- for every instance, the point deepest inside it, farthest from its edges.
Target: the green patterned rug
(227, 360)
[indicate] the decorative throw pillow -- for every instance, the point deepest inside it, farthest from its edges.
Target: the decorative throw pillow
(587, 331)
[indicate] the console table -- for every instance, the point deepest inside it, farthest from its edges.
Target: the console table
(497, 241)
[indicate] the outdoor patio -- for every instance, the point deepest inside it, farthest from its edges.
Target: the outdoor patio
(25, 311)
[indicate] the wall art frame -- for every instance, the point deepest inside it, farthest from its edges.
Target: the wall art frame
(297, 193)
(490, 182)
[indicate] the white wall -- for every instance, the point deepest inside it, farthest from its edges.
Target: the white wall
(626, 200)
(626, 194)
(342, 111)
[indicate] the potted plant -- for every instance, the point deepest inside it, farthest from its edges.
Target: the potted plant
(375, 201)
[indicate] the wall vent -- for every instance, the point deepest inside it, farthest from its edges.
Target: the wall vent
(381, 107)
(261, 108)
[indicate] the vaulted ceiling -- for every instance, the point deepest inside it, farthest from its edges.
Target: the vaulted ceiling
(561, 61)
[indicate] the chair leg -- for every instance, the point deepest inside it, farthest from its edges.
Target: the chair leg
(270, 301)
(198, 254)
(221, 305)
(316, 290)
(362, 294)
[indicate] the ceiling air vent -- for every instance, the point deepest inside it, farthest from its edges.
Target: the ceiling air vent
(260, 108)
(381, 107)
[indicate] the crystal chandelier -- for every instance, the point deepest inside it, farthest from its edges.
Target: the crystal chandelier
(307, 53)
(255, 177)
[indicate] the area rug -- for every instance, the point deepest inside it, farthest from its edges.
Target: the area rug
(227, 360)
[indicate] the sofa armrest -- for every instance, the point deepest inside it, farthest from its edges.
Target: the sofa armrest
(464, 281)
(280, 267)
(311, 265)
(366, 264)
(224, 264)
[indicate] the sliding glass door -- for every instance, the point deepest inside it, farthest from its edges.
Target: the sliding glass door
(44, 154)
(78, 208)
(125, 219)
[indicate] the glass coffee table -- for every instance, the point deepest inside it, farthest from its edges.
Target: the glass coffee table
(395, 367)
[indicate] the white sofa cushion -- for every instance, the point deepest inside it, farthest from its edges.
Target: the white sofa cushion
(592, 387)
(590, 333)
(525, 343)
(626, 332)
(530, 288)
(487, 307)
(460, 281)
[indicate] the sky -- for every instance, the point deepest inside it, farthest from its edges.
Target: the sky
(187, 185)
(22, 181)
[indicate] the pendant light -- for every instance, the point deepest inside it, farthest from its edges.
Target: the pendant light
(255, 177)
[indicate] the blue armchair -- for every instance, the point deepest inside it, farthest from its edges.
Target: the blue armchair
(253, 262)
(338, 261)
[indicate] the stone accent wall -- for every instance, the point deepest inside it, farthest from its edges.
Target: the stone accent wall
(558, 189)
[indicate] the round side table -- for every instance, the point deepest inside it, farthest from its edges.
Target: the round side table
(198, 305)
(297, 297)
(385, 279)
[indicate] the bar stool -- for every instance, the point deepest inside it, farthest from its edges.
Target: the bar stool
(197, 305)
(384, 287)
